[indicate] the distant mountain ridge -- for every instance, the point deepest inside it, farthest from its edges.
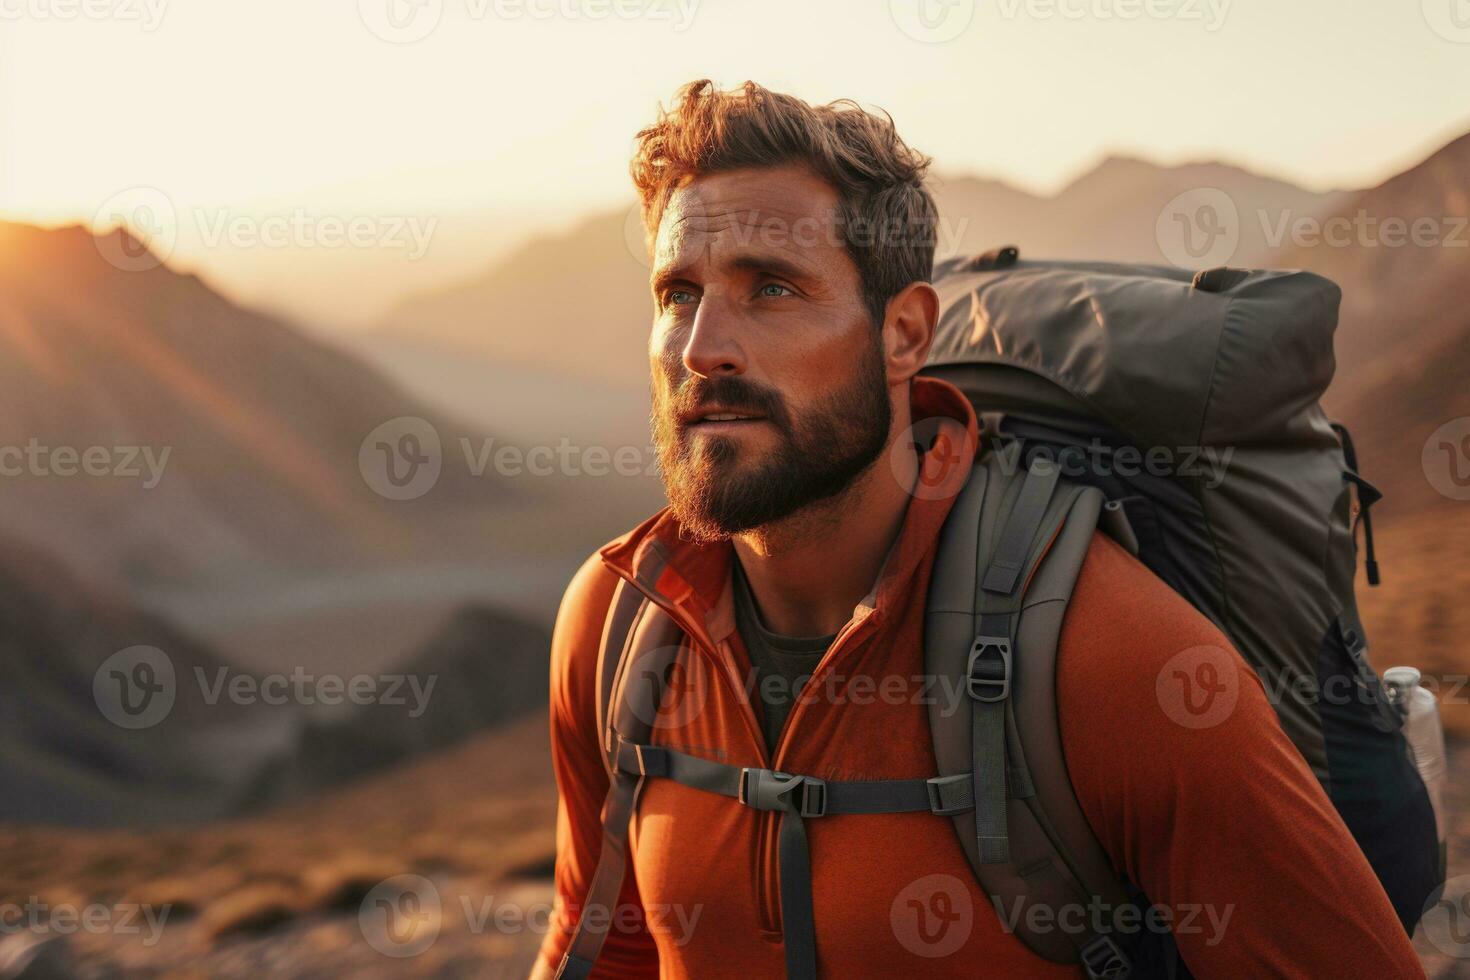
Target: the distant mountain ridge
(204, 754)
(578, 303)
(219, 438)
(1111, 211)
(1403, 337)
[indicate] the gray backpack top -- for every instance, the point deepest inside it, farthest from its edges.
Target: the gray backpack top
(1177, 412)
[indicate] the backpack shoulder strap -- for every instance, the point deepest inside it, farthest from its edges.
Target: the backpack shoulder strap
(627, 607)
(639, 643)
(1008, 559)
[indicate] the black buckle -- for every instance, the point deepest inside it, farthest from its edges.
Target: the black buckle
(1104, 959)
(989, 667)
(767, 789)
(936, 801)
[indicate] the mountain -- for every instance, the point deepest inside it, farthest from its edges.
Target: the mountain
(152, 430)
(65, 754)
(482, 669)
(576, 305)
(1403, 339)
(82, 742)
(1113, 211)
(280, 893)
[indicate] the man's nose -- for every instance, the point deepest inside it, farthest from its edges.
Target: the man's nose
(713, 348)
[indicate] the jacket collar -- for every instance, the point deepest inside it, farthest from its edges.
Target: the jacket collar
(692, 580)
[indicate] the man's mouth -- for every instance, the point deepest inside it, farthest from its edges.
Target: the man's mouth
(726, 417)
(713, 414)
(723, 421)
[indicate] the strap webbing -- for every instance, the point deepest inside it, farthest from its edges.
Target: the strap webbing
(795, 798)
(998, 605)
(987, 740)
(941, 794)
(607, 878)
(798, 926)
(1009, 559)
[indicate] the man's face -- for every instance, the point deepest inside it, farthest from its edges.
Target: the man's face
(759, 315)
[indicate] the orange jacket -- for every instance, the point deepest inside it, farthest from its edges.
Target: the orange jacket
(1223, 825)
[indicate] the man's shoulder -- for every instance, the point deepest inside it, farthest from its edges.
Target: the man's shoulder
(1147, 683)
(590, 590)
(578, 633)
(1124, 623)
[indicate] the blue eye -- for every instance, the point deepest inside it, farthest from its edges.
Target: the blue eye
(779, 290)
(678, 297)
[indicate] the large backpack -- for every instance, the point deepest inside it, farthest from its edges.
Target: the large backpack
(1179, 413)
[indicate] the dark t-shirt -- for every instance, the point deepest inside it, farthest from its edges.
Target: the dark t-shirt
(782, 663)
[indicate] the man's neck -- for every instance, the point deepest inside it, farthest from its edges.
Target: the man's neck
(807, 572)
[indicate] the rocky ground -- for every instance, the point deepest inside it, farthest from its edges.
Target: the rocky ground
(435, 870)
(311, 891)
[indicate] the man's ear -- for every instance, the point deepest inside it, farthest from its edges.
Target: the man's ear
(908, 330)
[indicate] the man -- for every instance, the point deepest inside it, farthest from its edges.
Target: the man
(792, 247)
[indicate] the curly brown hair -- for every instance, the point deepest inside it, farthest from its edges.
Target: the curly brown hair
(887, 217)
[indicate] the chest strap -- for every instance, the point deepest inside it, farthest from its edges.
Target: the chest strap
(797, 798)
(807, 796)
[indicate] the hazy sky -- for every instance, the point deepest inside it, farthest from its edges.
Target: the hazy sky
(529, 106)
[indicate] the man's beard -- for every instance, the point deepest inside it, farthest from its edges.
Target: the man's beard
(717, 489)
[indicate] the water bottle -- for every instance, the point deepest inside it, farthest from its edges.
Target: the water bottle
(1425, 734)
